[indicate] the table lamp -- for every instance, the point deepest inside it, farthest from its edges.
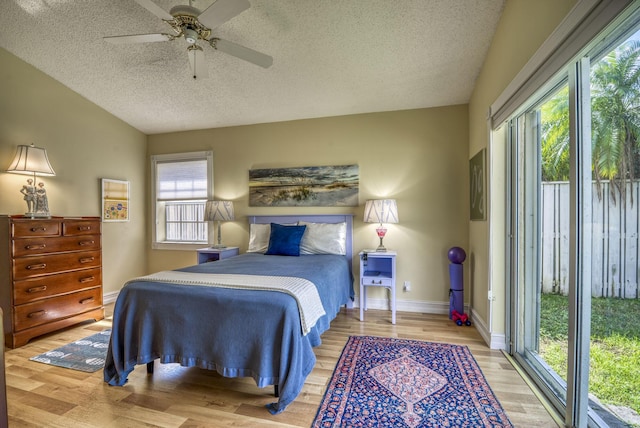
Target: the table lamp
(381, 211)
(31, 160)
(219, 211)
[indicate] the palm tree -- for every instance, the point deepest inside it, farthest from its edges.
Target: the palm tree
(615, 117)
(555, 137)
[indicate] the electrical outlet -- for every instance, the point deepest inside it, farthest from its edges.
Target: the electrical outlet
(407, 286)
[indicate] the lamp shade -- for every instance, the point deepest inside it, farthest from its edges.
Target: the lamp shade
(31, 160)
(219, 211)
(381, 211)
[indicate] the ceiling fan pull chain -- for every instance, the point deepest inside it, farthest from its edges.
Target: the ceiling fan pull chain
(195, 60)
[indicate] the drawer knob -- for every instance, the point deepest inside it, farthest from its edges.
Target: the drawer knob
(38, 229)
(87, 259)
(35, 247)
(373, 281)
(86, 279)
(37, 267)
(85, 243)
(36, 314)
(82, 228)
(37, 289)
(87, 300)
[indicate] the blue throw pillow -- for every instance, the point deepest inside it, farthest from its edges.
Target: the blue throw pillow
(285, 240)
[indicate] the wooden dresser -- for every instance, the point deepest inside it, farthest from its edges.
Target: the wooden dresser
(50, 274)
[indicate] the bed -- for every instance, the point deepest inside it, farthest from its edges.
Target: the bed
(259, 314)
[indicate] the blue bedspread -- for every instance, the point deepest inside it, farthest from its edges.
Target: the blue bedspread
(236, 332)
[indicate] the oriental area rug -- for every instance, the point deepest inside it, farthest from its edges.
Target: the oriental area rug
(387, 382)
(86, 355)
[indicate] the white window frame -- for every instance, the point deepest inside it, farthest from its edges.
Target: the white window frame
(157, 217)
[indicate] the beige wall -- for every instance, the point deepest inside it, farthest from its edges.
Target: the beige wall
(523, 27)
(84, 144)
(418, 157)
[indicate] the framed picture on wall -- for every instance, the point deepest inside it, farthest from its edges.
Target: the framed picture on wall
(307, 186)
(115, 200)
(478, 199)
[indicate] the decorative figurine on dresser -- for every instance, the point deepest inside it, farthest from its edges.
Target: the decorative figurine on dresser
(36, 199)
(53, 274)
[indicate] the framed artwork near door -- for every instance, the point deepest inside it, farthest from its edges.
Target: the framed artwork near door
(477, 202)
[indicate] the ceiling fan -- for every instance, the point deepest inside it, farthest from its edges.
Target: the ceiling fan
(195, 26)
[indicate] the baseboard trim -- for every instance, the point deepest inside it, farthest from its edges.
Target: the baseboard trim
(494, 340)
(408, 306)
(110, 297)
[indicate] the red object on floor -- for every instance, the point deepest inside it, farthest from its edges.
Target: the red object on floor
(459, 318)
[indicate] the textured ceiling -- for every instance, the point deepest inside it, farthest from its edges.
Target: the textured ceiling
(330, 57)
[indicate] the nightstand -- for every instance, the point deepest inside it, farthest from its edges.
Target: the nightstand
(377, 269)
(214, 254)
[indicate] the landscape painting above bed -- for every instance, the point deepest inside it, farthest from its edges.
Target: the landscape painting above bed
(312, 186)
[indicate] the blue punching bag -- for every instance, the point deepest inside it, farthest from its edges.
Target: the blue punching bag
(456, 291)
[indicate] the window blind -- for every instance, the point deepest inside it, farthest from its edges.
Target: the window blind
(182, 180)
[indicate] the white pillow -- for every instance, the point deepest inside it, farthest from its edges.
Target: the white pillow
(324, 238)
(259, 237)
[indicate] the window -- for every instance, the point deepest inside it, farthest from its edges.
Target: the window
(181, 185)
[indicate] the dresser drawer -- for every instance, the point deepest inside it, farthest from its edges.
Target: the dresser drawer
(29, 228)
(44, 311)
(80, 227)
(32, 246)
(27, 267)
(29, 290)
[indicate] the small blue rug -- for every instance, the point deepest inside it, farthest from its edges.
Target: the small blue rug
(86, 354)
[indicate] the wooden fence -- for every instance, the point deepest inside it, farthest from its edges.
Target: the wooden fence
(615, 245)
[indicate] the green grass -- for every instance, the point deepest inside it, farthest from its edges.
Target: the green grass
(614, 372)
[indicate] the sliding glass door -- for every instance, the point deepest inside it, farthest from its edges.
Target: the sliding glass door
(574, 235)
(541, 232)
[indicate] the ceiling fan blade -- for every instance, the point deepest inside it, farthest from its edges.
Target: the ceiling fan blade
(221, 11)
(198, 65)
(242, 52)
(138, 38)
(155, 9)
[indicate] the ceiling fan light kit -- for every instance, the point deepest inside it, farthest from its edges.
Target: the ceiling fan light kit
(192, 24)
(190, 35)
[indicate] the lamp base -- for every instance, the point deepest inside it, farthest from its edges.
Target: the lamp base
(219, 246)
(381, 248)
(38, 215)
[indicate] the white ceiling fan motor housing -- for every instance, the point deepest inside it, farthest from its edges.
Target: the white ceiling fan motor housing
(184, 10)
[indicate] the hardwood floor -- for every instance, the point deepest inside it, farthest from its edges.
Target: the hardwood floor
(40, 395)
